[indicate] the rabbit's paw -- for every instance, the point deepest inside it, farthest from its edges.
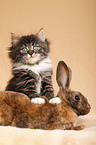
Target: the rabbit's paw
(55, 100)
(38, 100)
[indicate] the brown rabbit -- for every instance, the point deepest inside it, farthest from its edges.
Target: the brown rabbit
(16, 109)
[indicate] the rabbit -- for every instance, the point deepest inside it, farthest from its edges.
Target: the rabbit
(17, 110)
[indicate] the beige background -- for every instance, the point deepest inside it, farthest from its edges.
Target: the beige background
(70, 25)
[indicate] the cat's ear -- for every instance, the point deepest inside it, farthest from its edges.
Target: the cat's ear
(41, 34)
(14, 39)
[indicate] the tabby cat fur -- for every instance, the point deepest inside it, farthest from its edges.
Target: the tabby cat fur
(31, 66)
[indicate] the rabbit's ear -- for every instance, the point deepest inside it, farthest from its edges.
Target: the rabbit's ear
(63, 75)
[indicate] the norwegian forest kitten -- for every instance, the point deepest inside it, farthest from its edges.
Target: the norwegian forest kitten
(31, 66)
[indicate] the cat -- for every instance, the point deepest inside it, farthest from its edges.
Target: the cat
(31, 66)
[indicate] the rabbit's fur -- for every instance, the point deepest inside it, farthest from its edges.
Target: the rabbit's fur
(16, 109)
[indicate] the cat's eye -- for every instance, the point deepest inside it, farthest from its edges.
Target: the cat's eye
(24, 50)
(36, 48)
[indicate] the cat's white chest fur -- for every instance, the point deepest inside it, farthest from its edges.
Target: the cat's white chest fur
(44, 65)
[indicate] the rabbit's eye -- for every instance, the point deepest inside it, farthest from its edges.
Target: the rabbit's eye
(77, 98)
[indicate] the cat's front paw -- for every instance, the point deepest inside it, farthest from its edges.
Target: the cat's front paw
(38, 100)
(55, 100)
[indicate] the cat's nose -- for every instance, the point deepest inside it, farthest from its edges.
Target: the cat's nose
(30, 52)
